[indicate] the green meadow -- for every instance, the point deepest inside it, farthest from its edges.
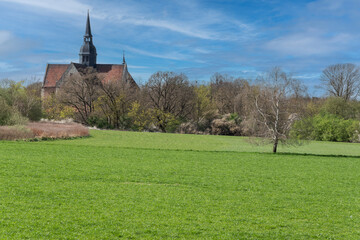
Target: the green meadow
(167, 186)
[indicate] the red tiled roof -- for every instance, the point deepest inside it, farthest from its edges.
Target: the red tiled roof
(107, 72)
(54, 73)
(110, 72)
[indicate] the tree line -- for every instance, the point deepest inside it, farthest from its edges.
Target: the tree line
(275, 105)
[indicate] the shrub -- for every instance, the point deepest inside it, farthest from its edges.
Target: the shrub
(57, 130)
(54, 109)
(5, 112)
(340, 107)
(10, 116)
(227, 125)
(141, 118)
(16, 118)
(43, 130)
(188, 128)
(15, 133)
(99, 122)
(326, 127)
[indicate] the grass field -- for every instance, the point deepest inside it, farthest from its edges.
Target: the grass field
(151, 185)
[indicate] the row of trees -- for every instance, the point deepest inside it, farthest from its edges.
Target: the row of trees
(19, 103)
(275, 105)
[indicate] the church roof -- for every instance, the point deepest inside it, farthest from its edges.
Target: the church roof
(57, 73)
(110, 72)
(107, 72)
(53, 74)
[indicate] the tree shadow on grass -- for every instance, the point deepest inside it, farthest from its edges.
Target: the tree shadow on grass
(314, 155)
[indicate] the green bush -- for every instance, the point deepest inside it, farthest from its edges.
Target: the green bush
(326, 127)
(5, 112)
(35, 112)
(19, 103)
(10, 116)
(173, 125)
(339, 107)
(16, 119)
(99, 122)
(235, 117)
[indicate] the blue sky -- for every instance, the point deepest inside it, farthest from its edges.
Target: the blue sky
(238, 37)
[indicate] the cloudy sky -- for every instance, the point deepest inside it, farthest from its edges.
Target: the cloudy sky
(197, 37)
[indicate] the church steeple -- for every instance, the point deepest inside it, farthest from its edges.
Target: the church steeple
(88, 28)
(88, 51)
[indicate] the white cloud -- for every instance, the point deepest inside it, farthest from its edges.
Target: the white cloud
(307, 44)
(333, 6)
(308, 76)
(5, 67)
(9, 44)
(189, 19)
(182, 28)
(201, 50)
(329, 5)
(5, 36)
(195, 21)
(202, 26)
(66, 6)
(169, 55)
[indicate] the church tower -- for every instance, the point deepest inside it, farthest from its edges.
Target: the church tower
(87, 55)
(57, 74)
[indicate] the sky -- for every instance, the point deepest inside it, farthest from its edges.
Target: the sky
(241, 38)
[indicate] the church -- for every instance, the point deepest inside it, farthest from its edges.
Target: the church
(56, 74)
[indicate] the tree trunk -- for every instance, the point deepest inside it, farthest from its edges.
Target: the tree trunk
(275, 145)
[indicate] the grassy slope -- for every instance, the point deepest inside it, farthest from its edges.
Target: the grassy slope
(120, 184)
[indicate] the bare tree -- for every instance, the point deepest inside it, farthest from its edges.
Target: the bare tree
(80, 91)
(224, 89)
(169, 94)
(115, 100)
(243, 101)
(275, 111)
(342, 80)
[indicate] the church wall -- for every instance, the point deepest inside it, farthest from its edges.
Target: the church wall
(47, 92)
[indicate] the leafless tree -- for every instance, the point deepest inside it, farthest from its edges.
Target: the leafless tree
(243, 104)
(224, 90)
(274, 109)
(169, 93)
(80, 91)
(342, 80)
(114, 101)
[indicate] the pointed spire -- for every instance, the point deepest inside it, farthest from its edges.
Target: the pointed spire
(87, 55)
(88, 28)
(124, 57)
